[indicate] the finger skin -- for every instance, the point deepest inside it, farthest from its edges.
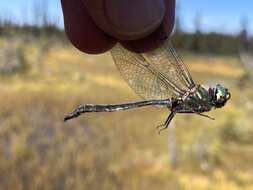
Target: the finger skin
(82, 31)
(126, 19)
(155, 39)
(87, 37)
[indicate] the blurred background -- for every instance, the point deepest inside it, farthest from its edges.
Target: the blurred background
(42, 77)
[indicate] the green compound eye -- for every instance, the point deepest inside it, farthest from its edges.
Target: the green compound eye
(221, 92)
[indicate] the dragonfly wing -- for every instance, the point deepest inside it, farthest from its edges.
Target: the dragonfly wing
(168, 62)
(143, 76)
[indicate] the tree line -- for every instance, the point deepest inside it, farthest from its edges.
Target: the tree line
(212, 43)
(198, 42)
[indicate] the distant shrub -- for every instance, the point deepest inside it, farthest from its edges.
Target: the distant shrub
(232, 132)
(13, 60)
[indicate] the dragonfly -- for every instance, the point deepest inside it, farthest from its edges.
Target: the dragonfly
(162, 79)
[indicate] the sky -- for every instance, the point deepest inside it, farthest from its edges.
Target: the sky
(216, 15)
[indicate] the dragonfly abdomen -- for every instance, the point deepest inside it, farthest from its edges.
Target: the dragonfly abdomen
(116, 107)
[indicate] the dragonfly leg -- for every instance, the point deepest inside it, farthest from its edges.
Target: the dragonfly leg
(167, 122)
(207, 116)
(201, 114)
(174, 106)
(162, 125)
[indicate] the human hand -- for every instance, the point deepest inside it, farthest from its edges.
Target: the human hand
(95, 26)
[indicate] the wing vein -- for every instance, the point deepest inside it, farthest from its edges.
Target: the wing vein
(158, 74)
(186, 76)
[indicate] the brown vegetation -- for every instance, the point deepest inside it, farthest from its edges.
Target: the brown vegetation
(116, 150)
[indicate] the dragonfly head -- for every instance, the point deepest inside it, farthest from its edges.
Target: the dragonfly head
(220, 95)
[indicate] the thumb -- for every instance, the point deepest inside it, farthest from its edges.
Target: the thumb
(126, 19)
(82, 31)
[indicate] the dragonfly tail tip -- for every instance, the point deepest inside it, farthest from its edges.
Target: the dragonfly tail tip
(66, 118)
(70, 116)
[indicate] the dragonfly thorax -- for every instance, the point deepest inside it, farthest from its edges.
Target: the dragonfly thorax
(220, 95)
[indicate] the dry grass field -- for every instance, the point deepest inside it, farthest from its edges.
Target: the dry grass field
(123, 150)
